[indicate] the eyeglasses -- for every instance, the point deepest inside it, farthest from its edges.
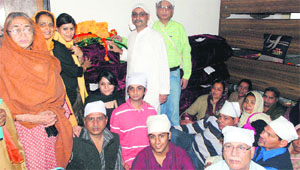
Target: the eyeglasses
(239, 149)
(142, 14)
(17, 31)
(165, 7)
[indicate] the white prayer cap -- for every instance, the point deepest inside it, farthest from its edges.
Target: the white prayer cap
(158, 123)
(137, 78)
(140, 5)
(237, 134)
(284, 129)
(172, 2)
(231, 109)
(94, 107)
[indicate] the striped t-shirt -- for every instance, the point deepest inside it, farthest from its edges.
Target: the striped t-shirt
(130, 124)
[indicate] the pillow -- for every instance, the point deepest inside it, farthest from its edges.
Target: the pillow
(275, 47)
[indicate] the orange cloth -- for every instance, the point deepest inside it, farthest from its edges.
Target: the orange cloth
(30, 83)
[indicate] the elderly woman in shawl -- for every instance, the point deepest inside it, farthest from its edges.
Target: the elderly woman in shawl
(252, 116)
(31, 86)
(46, 21)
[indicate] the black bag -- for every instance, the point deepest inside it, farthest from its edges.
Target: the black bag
(276, 45)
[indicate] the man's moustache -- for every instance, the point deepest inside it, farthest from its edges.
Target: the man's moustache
(136, 21)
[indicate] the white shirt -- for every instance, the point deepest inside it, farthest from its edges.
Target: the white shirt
(222, 165)
(147, 53)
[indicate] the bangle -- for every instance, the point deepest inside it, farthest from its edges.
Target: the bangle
(23, 117)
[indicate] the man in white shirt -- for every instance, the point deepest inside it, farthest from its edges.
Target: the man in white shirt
(147, 54)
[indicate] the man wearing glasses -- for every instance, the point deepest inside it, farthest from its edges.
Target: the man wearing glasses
(161, 154)
(179, 54)
(147, 54)
(237, 150)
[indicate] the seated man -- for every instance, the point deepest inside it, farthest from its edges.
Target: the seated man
(272, 152)
(244, 86)
(207, 133)
(237, 150)
(294, 150)
(129, 119)
(162, 154)
(272, 107)
(96, 147)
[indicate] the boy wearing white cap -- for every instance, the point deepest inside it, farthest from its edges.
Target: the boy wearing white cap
(96, 147)
(129, 119)
(272, 152)
(208, 133)
(162, 154)
(237, 150)
(179, 54)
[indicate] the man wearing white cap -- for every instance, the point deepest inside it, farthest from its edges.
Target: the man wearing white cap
(96, 147)
(162, 154)
(129, 119)
(179, 54)
(207, 133)
(147, 53)
(237, 150)
(272, 152)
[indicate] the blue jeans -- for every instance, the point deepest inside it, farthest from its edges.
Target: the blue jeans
(171, 106)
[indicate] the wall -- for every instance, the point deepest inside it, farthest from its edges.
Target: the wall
(197, 16)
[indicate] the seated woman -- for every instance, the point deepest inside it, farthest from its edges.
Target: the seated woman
(31, 86)
(11, 151)
(46, 21)
(209, 104)
(107, 93)
(72, 66)
(252, 116)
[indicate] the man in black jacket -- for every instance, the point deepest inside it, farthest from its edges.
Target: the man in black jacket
(96, 147)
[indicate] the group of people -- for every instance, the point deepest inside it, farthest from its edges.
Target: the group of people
(48, 120)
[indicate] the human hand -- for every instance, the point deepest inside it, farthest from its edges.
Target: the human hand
(113, 47)
(86, 64)
(77, 51)
(125, 165)
(185, 121)
(183, 83)
(117, 37)
(76, 131)
(46, 118)
(163, 98)
(2, 117)
(207, 164)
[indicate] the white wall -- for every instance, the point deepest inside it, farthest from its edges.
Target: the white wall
(197, 16)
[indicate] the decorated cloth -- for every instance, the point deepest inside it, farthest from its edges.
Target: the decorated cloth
(30, 83)
(202, 106)
(223, 166)
(80, 78)
(147, 54)
(176, 158)
(130, 124)
(50, 44)
(12, 154)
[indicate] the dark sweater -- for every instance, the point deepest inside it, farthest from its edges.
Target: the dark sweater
(86, 156)
(69, 70)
